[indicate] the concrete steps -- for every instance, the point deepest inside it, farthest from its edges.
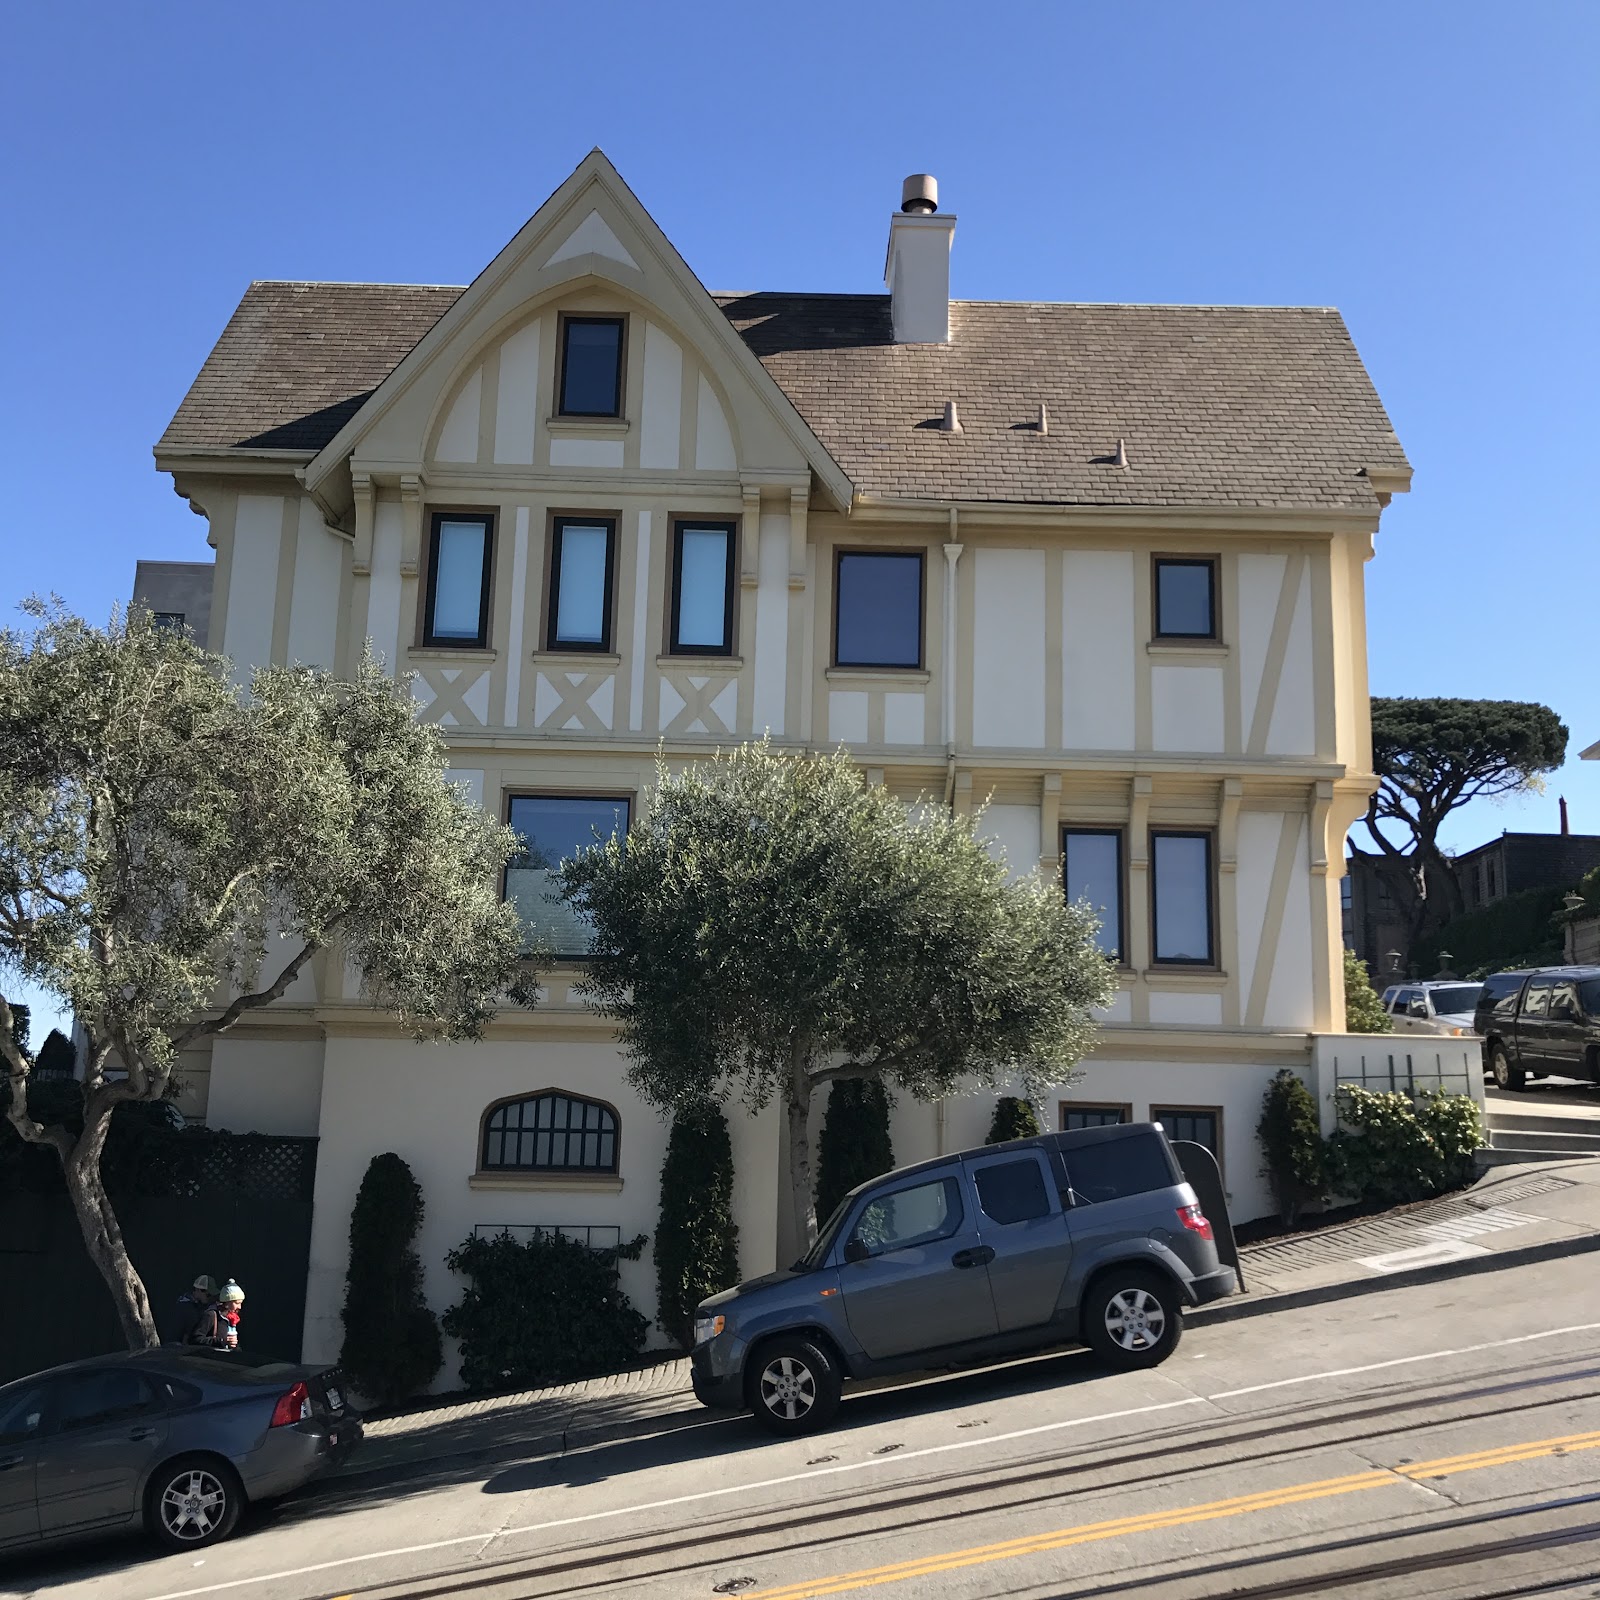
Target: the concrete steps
(1524, 1129)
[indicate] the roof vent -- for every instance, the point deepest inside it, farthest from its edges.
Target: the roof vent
(952, 419)
(1043, 423)
(1121, 458)
(919, 194)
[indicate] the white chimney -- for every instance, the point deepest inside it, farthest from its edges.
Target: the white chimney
(917, 272)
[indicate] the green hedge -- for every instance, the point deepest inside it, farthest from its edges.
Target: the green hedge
(542, 1312)
(697, 1241)
(1521, 930)
(1291, 1139)
(1389, 1150)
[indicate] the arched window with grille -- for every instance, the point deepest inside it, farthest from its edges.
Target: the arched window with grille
(549, 1132)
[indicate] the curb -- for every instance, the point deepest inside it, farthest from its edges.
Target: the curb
(1528, 1255)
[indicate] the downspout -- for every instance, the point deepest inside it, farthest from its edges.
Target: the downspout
(952, 554)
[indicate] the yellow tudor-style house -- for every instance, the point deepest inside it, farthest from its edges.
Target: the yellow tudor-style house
(1098, 568)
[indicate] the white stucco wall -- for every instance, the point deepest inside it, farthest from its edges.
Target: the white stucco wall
(425, 1103)
(319, 556)
(1011, 834)
(1098, 640)
(253, 583)
(264, 1086)
(1008, 648)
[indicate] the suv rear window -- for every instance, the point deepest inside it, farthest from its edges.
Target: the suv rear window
(1589, 994)
(1012, 1191)
(1118, 1167)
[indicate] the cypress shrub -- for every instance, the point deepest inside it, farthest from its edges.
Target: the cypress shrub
(697, 1242)
(1013, 1119)
(1291, 1139)
(542, 1312)
(391, 1338)
(854, 1143)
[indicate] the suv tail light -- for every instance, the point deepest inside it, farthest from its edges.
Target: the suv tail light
(293, 1407)
(1195, 1220)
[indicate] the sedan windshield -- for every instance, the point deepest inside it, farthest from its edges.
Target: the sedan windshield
(1456, 1000)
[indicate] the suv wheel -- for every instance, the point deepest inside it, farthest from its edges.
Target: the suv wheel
(794, 1386)
(193, 1502)
(1131, 1318)
(1506, 1075)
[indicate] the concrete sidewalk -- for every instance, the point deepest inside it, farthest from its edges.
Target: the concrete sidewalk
(1512, 1216)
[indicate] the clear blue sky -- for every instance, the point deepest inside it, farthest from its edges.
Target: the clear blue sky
(1428, 168)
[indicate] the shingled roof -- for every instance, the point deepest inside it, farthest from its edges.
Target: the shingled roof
(1217, 405)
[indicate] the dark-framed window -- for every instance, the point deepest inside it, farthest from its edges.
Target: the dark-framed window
(1076, 1114)
(1186, 597)
(549, 1132)
(167, 621)
(552, 828)
(590, 381)
(702, 588)
(877, 608)
(1091, 869)
(583, 567)
(456, 604)
(1182, 898)
(1198, 1124)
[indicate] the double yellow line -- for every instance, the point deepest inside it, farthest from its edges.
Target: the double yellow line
(1182, 1516)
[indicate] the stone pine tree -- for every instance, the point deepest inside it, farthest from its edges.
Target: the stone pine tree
(1433, 756)
(853, 1143)
(391, 1337)
(174, 853)
(697, 1242)
(772, 924)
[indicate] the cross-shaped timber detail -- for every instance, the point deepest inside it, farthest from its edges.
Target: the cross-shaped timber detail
(697, 695)
(441, 696)
(574, 692)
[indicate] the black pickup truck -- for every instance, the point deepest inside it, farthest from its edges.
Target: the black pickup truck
(1541, 1023)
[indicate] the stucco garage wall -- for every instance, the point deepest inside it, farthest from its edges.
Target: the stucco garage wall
(425, 1103)
(265, 1086)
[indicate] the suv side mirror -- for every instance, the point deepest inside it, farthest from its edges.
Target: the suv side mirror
(856, 1250)
(1419, 1008)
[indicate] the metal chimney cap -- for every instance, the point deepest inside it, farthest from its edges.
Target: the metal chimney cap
(920, 193)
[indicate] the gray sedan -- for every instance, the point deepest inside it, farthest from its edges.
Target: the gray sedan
(175, 1440)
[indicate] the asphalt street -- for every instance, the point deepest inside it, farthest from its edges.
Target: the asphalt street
(1442, 1439)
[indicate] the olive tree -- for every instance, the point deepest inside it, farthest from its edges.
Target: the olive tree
(772, 924)
(1433, 756)
(174, 853)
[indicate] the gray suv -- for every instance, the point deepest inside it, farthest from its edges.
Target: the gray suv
(1088, 1237)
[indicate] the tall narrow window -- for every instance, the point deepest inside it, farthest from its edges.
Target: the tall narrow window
(550, 829)
(591, 366)
(1186, 598)
(702, 589)
(582, 569)
(1091, 865)
(878, 609)
(1180, 870)
(457, 604)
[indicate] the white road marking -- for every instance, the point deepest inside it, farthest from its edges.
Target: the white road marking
(1398, 1361)
(856, 1466)
(1422, 1255)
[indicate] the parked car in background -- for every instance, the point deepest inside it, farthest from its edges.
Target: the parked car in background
(176, 1441)
(1540, 1023)
(1439, 1006)
(1091, 1237)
